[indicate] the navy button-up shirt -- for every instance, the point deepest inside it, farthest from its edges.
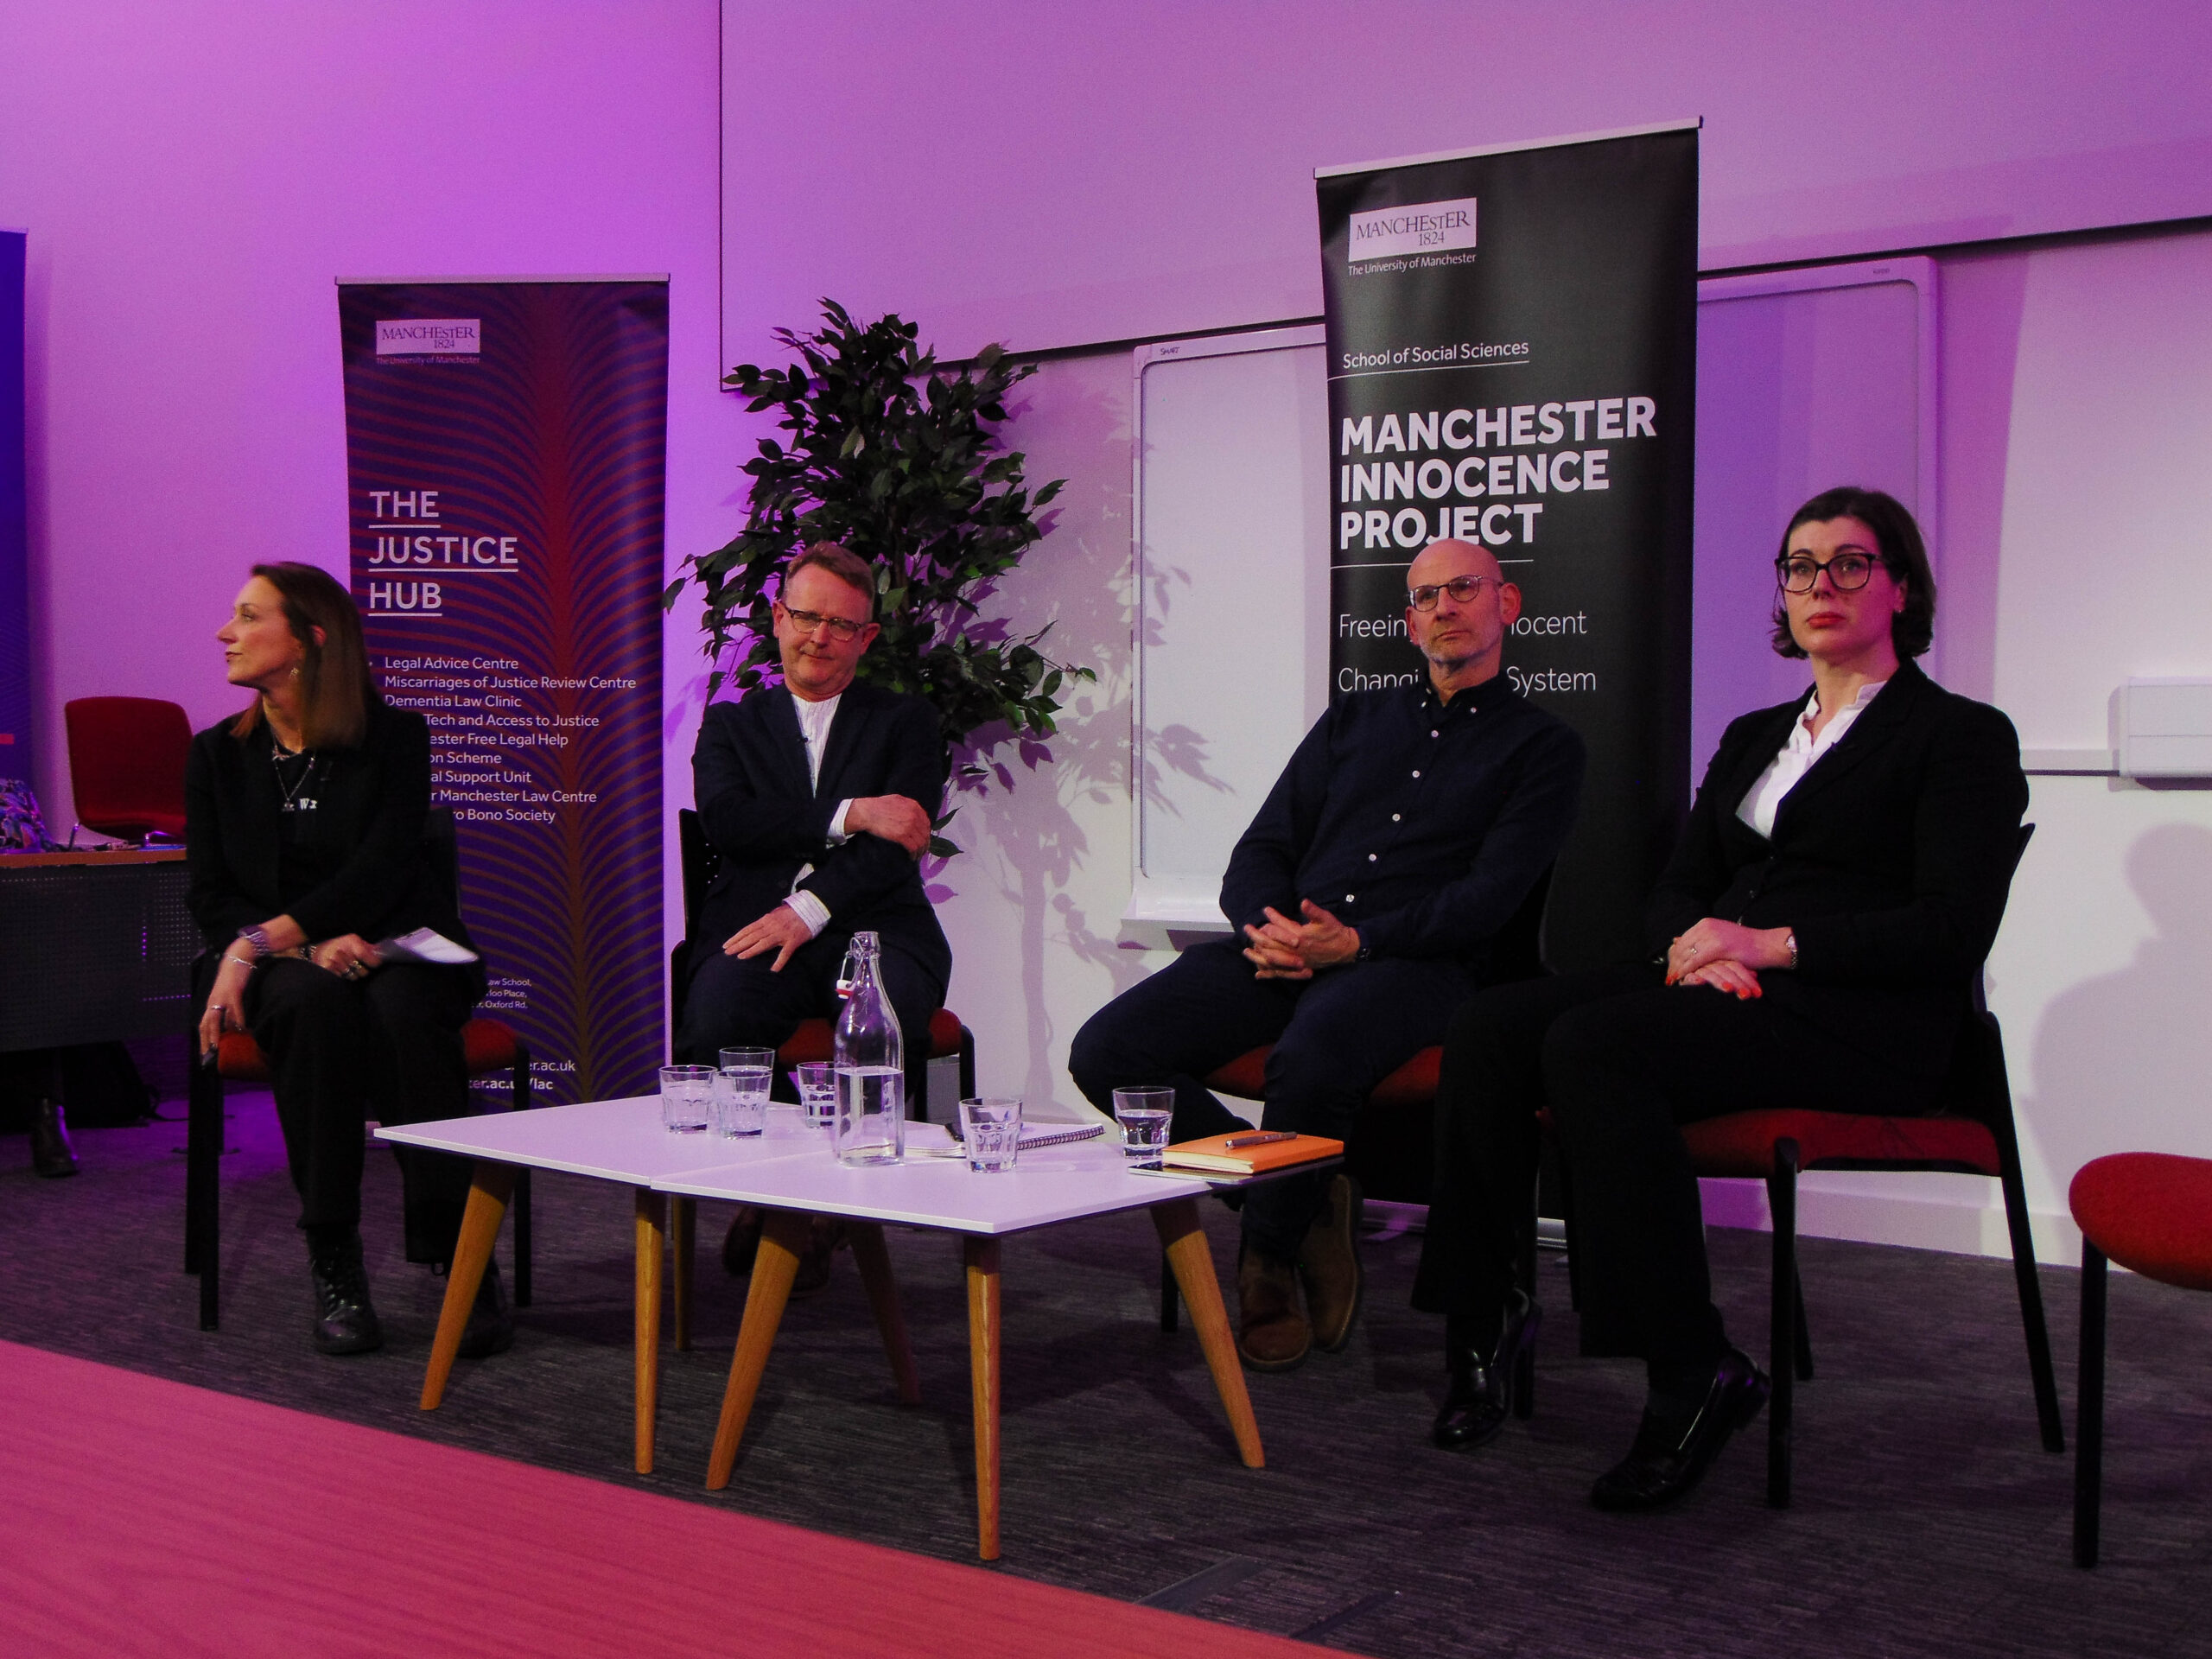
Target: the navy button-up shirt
(1421, 823)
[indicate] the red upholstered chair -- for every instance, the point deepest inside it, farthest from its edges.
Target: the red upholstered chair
(489, 1045)
(126, 765)
(1972, 1134)
(2151, 1213)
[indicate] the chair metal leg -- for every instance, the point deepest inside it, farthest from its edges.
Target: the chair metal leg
(1804, 1336)
(203, 1160)
(2090, 1409)
(2024, 1274)
(1524, 1364)
(1169, 1300)
(519, 1101)
(1781, 1198)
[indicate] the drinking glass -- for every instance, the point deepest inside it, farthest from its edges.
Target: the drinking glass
(1143, 1114)
(817, 1091)
(741, 1091)
(686, 1094)
(992, 1130)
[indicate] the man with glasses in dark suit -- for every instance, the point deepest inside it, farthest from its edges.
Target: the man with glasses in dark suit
(819, 794)
(1408, 828)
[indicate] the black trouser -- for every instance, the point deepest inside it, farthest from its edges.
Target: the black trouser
(1336, 1036)
(736, 1002)
(341, 1051)
(1623, 1060)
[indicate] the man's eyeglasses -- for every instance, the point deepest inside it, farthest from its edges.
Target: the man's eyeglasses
(1463, 590)
(1848, 571)
(805, 621)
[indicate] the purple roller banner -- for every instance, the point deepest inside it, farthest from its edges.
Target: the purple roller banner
(505, 452)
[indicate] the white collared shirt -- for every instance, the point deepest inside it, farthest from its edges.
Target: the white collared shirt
(1795, 758)
(814, 719)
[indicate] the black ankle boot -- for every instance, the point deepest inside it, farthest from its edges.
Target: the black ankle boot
(52, 1155)
(1480, 1394)
(491, 1328)
(345, 1321)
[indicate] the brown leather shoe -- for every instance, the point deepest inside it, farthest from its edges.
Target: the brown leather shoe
(742, 1243)
(1272, 1334)
(825, 1237)
(1328, 1266)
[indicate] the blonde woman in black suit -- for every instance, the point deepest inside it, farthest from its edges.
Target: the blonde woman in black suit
(1840, 879)
(303, 834)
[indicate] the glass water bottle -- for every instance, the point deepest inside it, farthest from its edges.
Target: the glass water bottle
(870, 1126)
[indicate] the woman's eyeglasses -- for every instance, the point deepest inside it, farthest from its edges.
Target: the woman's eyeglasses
(1847, 571)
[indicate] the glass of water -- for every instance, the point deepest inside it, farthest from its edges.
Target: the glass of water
(741, 1091)
(816, 1082)
(1144, 1112)
(687, 1092)
(992, 1130)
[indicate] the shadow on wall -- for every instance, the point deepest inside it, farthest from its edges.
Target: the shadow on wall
(1024, 831)
(2123, 1062)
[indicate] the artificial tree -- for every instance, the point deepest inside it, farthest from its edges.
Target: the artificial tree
(898, 459)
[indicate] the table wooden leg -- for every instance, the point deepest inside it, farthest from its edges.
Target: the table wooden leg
(874, 1260)
(783, 1239)
(1185, 1241)
(683, 1225)
(651, 1213)
(479, 1226)
(983, 1256)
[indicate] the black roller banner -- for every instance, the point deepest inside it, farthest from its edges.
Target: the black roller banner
(1512, 352)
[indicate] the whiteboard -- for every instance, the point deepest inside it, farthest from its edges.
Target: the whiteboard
(1805, 379)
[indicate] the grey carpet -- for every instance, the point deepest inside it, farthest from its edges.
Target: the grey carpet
(1928, 1520)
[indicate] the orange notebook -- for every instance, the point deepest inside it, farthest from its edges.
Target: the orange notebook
(1214, 1155)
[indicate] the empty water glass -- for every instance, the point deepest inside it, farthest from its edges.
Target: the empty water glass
(817, 1091)
(992, 1130)
(741, 1091)
(687, 1095)
(1143, 1114)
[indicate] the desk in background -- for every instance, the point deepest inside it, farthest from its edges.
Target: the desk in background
(99, 947)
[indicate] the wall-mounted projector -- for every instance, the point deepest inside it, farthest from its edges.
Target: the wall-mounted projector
(2163, 728)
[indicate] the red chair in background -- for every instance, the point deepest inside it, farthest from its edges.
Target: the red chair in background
(2151, 1212)
(126, 765)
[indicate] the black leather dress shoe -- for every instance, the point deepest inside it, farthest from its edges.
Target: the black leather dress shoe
(52, 1155)
(742, 1243)
(490, 1327)
(1670, 1456)
(345, 1321)
(1480, 1395)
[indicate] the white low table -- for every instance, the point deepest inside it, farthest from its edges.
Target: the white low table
(613, 1141)
(1049, 1184)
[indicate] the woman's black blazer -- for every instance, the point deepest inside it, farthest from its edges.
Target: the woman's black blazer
(1891, 859)
(372, 802)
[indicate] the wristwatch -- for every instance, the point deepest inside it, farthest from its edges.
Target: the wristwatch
(1791, 944)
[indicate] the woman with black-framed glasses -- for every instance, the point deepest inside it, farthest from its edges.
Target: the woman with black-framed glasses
(1839, 880)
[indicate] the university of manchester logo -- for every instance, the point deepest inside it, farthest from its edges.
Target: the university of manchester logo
(1424, 227)
(429, 337)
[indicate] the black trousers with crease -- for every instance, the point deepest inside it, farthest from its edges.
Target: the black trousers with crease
(341, 1051)
(1623, 1060)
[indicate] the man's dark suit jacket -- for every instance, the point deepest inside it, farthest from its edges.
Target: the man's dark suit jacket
(766, 820)
(366, 869)
(1890, 860)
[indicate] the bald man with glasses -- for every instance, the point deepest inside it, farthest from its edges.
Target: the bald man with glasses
(818, 795)
(1405, 831)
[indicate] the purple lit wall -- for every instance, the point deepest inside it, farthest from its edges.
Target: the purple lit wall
(194, 174)
(1053, 176)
